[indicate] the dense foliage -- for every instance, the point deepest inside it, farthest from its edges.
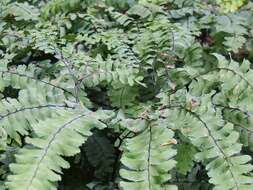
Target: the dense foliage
(126, 94)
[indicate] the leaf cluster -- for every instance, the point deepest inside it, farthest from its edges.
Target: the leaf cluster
(126, 94)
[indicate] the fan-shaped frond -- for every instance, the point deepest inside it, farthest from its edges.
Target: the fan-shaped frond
(56, 6)
(38, 166)
(147, 158)
(22, 77)
(16, 115)
(217, 141)
(237, 83)
(21, 11)
(110, 71)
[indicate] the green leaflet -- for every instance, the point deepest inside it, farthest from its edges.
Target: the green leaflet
(122, 96)
(40, 164)
(234, 43)
(242, 122)
(139, 10)
(147, 158)
(184, 158)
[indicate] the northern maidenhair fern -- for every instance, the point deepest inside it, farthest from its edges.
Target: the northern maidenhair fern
(126, 95)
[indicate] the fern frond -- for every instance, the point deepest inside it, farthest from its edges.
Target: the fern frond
(122, 95)
(180, 112)
(38, 166)
(217, 141)
(230, 5)
(16, 115)
(109, 71)
(185, 157)
(147, 158)
(23, 77)
(57, 6)
(236, 85)
(121, 19)
(242, 121)
(22, 11)
(157, 39)
(233, 78)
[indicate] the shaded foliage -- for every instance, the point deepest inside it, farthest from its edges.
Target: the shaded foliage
(126, 94)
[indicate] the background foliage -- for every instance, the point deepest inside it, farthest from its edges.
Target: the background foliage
(126, 94)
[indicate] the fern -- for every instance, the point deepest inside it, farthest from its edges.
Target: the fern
(22, 11)
(217, 142)
(122, 96)
(185, 157)
(230, 5)
(57, 6)
(157, 93)
(147, 158)
(66, 128)
(18, 114)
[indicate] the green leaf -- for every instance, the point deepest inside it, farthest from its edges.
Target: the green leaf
(122, 96)
(185, 157)
(234, 43)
